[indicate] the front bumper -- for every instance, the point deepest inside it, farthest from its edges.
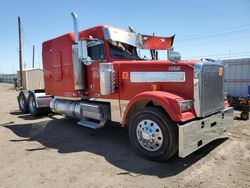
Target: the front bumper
(198, 133)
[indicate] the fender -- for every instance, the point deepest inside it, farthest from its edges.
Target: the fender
(168, 101)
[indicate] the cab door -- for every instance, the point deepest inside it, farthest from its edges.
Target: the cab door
(97, 53)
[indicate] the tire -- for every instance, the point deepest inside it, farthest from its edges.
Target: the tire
(244, 115)
(46, 111)
(22, 102)
(153, 134)
(34, 111)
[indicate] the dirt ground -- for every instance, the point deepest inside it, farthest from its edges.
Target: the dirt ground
(56, 152)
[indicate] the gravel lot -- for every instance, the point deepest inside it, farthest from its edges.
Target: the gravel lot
(56, 152)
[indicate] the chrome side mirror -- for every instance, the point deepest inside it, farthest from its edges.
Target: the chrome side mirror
(83, 55)
(87, 61)
(174, 56)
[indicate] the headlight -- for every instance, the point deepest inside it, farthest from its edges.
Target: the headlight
(186, 105)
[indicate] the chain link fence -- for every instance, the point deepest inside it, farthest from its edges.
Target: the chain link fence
(8, 78)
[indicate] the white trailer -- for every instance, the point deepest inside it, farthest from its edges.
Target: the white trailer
(237, 77)
(237, 85)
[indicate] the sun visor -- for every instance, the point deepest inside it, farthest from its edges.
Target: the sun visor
(120, 35)
(138, 40)
(157, 43)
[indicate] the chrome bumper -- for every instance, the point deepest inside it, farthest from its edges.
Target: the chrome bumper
(196, 134)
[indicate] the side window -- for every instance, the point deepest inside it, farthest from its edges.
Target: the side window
(96, 50)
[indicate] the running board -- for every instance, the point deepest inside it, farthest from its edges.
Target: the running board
(91, 124)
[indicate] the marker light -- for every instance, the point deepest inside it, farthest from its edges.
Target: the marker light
(154, 87)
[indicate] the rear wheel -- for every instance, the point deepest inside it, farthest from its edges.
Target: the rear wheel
(244, 115)
(22, 102)
(33, 109)
(153, 134)
(46, 110)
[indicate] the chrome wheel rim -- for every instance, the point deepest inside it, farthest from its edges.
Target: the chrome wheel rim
(22, 102)
(244, 116)
(149, 135)
(32, 104)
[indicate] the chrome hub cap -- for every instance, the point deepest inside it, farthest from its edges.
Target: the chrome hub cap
(149, 135)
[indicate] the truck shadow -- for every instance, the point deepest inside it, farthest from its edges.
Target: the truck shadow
(25, 116)
(110, 142)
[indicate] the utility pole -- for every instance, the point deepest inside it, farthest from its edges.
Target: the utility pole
(33, 59)
(20, 52)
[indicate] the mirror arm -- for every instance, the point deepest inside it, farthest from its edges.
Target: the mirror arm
(86, 61)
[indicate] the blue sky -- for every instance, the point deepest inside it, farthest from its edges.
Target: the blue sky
(212, 28)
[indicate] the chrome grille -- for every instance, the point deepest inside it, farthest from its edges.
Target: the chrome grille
(208, 88)
(213, 90)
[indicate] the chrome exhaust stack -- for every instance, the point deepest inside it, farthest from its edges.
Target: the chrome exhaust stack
(77, 57)
(76, 27)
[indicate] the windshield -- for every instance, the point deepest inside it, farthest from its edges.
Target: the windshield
(147, 54)
(120, 50)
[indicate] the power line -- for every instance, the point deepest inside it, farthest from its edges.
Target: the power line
(214, 35)
(25, 38)
(228, 56)
(216, 41)
(236, 53)
(215, 31)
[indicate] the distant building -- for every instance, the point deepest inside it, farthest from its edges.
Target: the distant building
(32, 79)
(237, 77)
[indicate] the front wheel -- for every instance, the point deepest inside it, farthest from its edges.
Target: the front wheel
(153, 134)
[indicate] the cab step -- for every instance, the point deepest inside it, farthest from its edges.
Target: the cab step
(91, 123)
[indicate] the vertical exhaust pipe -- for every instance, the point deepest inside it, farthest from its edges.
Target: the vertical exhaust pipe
(77, 57)
(76, 34)
(76, 27)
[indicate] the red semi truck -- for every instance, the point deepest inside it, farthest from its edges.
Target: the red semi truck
(97, 76)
